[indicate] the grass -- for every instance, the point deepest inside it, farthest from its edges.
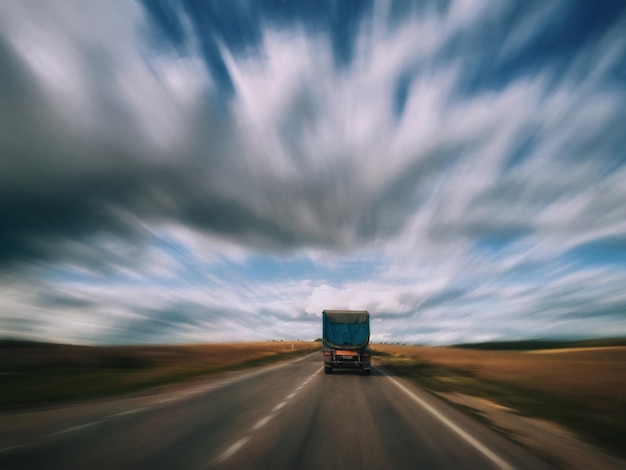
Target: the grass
(35, 374)
(593, 412)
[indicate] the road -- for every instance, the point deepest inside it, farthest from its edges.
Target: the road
(289, 416)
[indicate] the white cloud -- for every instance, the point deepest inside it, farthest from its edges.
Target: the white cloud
(308, 161)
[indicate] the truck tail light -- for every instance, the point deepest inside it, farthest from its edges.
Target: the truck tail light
(326, 353)
(366, 354)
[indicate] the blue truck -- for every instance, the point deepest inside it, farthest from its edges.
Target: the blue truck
(346, 336)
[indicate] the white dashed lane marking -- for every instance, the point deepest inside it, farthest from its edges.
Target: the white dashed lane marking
(76, 428)
(19, 446)
(128, 412)
(262, 422)
(232, 449)
(178, 397)
(241, 442)
(279, 406)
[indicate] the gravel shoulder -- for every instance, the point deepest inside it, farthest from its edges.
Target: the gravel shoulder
(549, 440)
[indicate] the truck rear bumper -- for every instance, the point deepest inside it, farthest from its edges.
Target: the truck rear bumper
(348, 365)
(347, 360)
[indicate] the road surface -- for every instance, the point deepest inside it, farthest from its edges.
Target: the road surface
(286, 416)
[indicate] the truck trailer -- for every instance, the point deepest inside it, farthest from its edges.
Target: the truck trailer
(346, 336)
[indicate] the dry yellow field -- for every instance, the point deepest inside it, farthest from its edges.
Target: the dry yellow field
(566, 350)
(145, 356)
(583, 389)
(586, 374)
(36, 374)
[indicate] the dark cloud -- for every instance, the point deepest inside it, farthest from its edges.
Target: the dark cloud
(55, 182)
(63, 181)
(66, 181)
(20, 326)
(60, 300)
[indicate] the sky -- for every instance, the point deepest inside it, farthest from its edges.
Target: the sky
(200, 171)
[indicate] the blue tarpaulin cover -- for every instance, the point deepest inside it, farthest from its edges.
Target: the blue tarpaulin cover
(345, 329)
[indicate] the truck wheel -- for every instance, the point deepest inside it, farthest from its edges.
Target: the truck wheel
(366, 371)
(328, 370)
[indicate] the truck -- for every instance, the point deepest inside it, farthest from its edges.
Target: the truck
(346, 336)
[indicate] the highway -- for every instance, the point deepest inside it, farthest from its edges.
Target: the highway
(289, 415)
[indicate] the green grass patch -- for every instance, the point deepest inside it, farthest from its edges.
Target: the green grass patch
(605, 427)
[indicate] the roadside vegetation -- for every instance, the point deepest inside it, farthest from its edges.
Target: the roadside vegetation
(582, 388)
(37, 374)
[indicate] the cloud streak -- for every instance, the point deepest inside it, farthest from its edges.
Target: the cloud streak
(174, 171)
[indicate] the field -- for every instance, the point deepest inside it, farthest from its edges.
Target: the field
(35, 374)
(581, 388)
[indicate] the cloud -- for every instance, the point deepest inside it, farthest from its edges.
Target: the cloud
(442, 166)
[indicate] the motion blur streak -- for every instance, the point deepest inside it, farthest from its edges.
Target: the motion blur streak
(343, 420)
(176, 171)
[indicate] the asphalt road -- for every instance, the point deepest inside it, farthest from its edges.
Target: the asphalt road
(289, 416)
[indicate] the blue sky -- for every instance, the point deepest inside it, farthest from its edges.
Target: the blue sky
(187, 171)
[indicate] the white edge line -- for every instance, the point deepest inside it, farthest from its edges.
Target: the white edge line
(501, 463)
